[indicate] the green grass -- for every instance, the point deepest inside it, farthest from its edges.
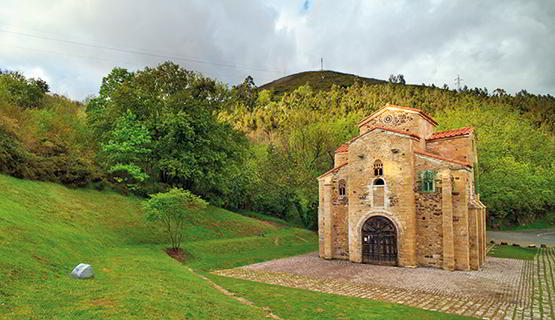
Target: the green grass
(47, 229)
(263, 217)
(512, 252)
(225, 254)
(291, 303)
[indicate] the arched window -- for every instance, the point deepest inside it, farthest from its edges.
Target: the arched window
(428, 181)
(378, 168)
(378, 192)
(342, 189)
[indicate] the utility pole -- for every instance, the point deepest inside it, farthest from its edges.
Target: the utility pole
(321, 64)
(458, 81)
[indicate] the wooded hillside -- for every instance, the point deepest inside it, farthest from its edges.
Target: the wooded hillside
(249, 148)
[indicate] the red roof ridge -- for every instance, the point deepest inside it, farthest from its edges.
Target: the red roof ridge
(451, 133)
(428, 118)
(333, 170)
(342, 148)
(431, 155)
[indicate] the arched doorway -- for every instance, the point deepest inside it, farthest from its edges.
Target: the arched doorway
(379, 241)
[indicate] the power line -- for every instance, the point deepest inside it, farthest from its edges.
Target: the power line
(140, 52)
(114, 60)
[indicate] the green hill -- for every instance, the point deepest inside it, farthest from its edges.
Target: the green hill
(318, 80)
(47, 229)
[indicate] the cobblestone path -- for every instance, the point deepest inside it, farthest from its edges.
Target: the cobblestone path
(528, 295)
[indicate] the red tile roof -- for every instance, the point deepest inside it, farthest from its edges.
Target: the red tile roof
(451, 133)
(425, 116)
(342, 148)
(435, 156)
(333, 170)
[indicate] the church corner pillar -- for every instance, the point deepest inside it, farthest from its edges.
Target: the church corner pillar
(409, 225)
(447, 221)
(327, 222)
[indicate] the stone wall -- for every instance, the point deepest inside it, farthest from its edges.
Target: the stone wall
(456, 148)
(410, 122)
(429, 229)
(340, 211)
(340, 159)
(460, 197)
(395, 152)
(429, 219)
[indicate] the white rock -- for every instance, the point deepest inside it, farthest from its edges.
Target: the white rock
(82, 271)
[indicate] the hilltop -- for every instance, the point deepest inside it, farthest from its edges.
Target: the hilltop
(318, 80)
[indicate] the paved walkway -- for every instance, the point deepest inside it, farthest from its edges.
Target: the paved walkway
(527, 237)
(503, 289)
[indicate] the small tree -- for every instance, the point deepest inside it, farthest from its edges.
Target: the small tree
(171, 210)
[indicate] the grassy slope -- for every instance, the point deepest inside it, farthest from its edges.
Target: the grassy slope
(318, 80)
(47, 229)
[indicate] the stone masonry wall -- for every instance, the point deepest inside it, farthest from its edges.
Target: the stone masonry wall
(460, 197)
(429, 220)
(395, 152)
(340, 211)
(401, 120)
(457, 148)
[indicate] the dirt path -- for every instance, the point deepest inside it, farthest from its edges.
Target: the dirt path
(242, 300)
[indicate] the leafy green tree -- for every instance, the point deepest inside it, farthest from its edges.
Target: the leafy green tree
(23, 92)
(190, 147)
(125, 151)
(171, 210)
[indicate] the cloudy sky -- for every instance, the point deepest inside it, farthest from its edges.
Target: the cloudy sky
(73, 44)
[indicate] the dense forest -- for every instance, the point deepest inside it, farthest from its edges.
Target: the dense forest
(248, 148)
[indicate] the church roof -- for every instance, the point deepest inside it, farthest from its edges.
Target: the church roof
(342, 148)
(333, 170)
(451, 133)
(394, 107)
(435, 156)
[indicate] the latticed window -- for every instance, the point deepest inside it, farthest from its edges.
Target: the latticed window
(378, 168)
(428, 181)
(342, 189)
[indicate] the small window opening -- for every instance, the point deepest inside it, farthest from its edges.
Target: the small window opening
(428, 181)
(378, 168)
(342, 189)
(379, 182)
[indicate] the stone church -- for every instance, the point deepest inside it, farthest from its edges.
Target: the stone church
(403, 194)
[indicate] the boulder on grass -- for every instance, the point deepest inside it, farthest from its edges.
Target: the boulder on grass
(82, 271)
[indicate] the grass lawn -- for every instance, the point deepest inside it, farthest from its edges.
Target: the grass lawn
(47, 229)
(291, 303)
(513, 252)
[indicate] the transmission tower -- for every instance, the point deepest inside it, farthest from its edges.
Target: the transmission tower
(321, 64)
(458, 81)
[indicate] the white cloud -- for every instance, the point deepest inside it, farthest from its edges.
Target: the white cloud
(505, 44)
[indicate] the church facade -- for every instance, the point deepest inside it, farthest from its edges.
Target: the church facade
(403, 194)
